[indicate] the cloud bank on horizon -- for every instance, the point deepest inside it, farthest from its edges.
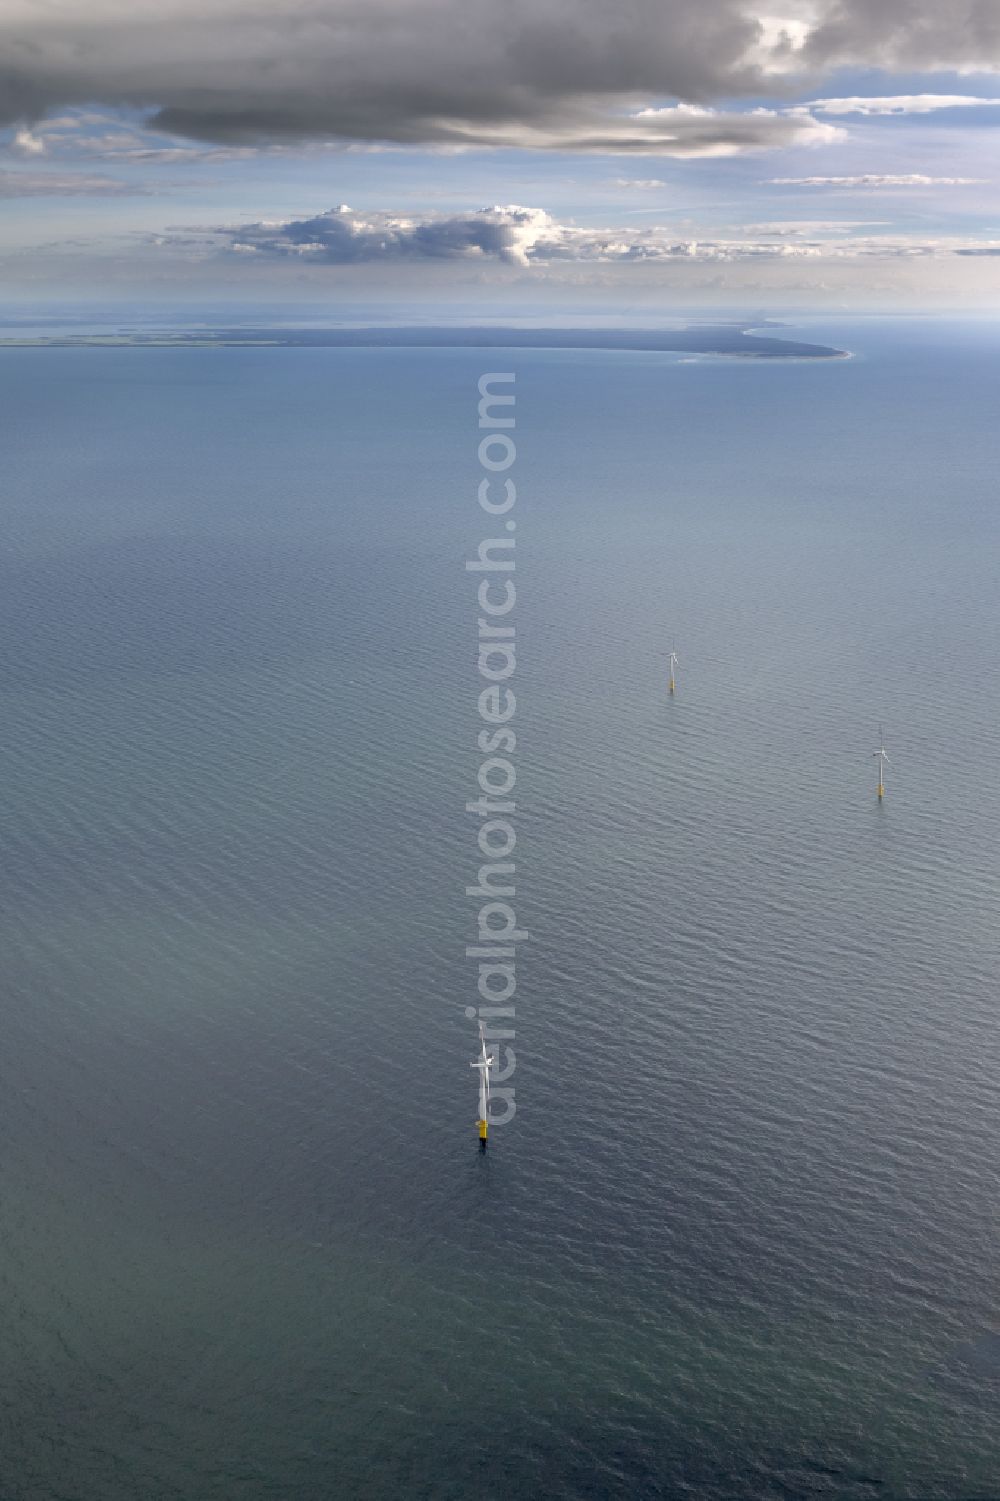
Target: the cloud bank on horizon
(408, 99)
(526, 236)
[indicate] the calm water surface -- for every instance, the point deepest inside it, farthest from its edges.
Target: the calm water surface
(741, 1239)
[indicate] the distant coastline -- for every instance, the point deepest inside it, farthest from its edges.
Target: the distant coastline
(731, 340)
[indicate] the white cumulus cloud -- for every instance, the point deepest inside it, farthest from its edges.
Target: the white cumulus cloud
(638, 184)
(343, 236)
(900, 104)
(875, 180)
(525, 237)
(27, 143)
(30, 184)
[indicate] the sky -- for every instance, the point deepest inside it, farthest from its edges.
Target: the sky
(537, 155)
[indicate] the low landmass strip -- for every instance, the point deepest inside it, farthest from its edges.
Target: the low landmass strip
(709, 339)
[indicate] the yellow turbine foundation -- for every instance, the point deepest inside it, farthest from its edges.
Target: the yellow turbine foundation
(483, 1130)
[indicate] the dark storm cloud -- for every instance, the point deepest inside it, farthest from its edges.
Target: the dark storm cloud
(906, 34)
(406, 71)
(535, 73)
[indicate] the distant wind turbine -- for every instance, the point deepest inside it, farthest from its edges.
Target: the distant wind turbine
(882, 758)
(673, 663)
(483, 1065)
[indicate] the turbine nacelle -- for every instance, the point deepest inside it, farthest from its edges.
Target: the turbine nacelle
(673, 663)
(881, 754)
(484, 1063)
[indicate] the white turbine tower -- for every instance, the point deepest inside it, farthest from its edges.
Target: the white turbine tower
(673, 663)
(483, 1064)
(883, 760)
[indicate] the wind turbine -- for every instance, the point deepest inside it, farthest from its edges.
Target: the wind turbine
(483, 1064)
(883, 760)
(673, 663)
